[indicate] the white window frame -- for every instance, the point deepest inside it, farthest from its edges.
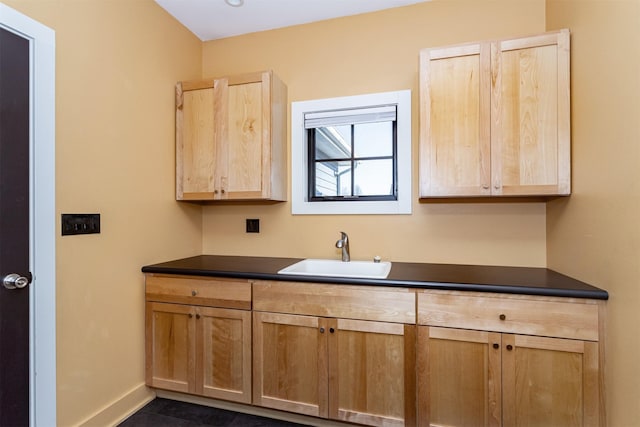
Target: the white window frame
(300, 205)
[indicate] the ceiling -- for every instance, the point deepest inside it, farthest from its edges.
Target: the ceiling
(215, 19)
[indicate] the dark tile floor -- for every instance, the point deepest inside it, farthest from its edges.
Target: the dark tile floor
(170, 413)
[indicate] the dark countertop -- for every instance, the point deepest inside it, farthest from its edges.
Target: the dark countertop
(479, 278)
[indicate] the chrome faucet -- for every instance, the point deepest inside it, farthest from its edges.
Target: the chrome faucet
(343, 244)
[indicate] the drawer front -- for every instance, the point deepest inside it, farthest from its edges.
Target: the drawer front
(194, 290)
(575, 319)
(343, 301)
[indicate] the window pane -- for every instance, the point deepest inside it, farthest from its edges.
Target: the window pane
(333, 179)
(325, 181)
(374, 178)
(373, 139)
(333, 142)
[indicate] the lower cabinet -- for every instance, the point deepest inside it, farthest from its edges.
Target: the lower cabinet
(490, 378)
(198, 349)
(349, 370)
(341, 352)
(378, 356)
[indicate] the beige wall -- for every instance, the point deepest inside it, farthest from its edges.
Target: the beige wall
(595, 235)
(116, 64)
(374, 53)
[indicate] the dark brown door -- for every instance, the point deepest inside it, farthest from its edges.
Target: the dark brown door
(14, 229)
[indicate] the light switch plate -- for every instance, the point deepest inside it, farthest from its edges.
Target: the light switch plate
(80, 224)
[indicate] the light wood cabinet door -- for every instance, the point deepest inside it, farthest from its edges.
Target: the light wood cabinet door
(290, 363)
(530, 131)
(231, 138)
(495, 118)
(455, 99)
(223, 350)
(170, 347)
(478, 378)
(459, 377)
(549, 382)
(196, 144)
(372, 372)
(244, 138)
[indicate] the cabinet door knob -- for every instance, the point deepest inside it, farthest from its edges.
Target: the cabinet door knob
(509, 347)
(485, 187)
(194, 293)
(322, 330)
(198, 316)
(215, 191)
(332, 330)
(222, 191)
(496, 345)
(190, 315)
(503, 317)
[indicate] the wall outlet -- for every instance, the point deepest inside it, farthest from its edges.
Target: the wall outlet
(253, 225)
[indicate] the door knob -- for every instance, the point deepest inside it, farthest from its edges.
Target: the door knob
(16, 281)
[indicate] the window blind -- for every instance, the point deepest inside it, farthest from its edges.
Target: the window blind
(383, 113)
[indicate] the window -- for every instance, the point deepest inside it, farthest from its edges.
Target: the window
(352, 155)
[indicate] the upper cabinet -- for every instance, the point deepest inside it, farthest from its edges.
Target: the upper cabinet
(231, 138)
(495, 118)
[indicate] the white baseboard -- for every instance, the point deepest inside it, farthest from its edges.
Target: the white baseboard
(120, 409)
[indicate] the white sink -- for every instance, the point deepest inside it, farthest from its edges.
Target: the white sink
(337, 268)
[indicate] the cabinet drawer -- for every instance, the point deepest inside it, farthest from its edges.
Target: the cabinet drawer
(194, 290)
(344, 301)
(543, 316)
